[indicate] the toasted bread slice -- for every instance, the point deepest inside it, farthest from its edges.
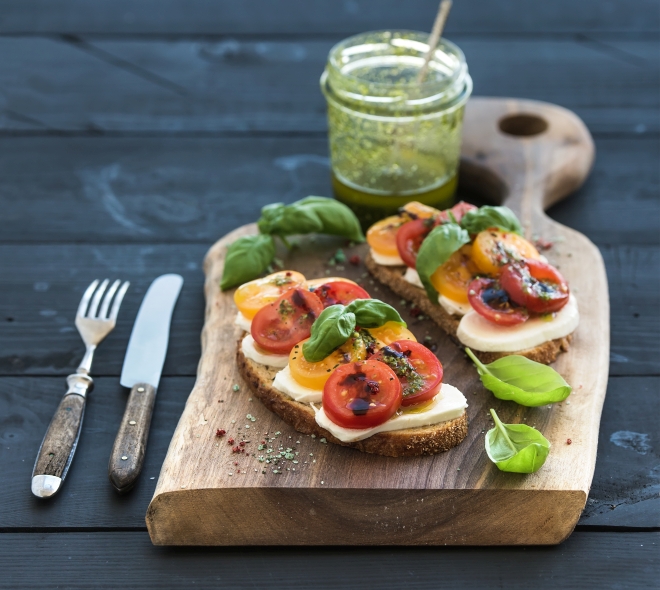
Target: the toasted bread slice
(392, 276)
(426, 440)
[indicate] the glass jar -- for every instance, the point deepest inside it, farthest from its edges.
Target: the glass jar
(392, 138)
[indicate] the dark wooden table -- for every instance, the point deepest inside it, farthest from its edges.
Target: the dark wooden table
(134, 134)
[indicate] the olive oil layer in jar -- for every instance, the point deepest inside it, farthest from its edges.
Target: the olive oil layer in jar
(394, 139)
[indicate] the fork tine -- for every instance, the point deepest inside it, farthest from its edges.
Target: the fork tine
(82, 308)
(103, 314)
(94, 305)
(118, 300)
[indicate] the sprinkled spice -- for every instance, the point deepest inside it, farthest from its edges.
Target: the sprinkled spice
(220, 432)
(235, 387)
(569, 441)
(230, 441)
(354, 260)
(415, 312)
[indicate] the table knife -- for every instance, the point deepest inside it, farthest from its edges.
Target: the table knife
(143, 365)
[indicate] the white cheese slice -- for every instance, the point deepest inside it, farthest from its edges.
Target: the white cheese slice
(285, 383)
(477, 332)
(412, 277)
(450, 403)
(263, 358)
(386, 260)
(242, 322)
(453, 307)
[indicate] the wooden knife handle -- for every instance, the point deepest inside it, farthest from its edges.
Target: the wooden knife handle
(61, 438)
(130, 445)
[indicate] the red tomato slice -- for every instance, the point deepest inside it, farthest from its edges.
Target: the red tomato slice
(279, 326)
(339, 292)
(362, 394)
(536, 285)
(489, 300)
(458, 210)
(409, 238)
(418, 369)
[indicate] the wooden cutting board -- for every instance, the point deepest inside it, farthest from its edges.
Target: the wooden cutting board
(526, 154)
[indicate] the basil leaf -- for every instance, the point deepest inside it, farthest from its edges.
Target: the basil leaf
(373, 313)
(521, 380)
(436, 249)
(516, 448)
(246, 259)
(480, 219)
(311, 215)
(329, 331)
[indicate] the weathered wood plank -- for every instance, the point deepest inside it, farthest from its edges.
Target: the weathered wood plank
(316, 16)
(195, 189)
(87, 499)
(42, 285)
(231, 85)
(601, 561)
(623, 492)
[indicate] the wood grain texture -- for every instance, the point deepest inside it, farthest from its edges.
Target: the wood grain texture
(60, 440)
(244, 86)
(458, 497)
(602, 561)
(314, 17)
(127, 455)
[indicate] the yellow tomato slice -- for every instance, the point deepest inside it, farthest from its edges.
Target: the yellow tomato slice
(390, 332)
(252, 296)
(381, 236)
(420, 210)
(313, 283)
(493, 248)
(453, 277)
(314, 375)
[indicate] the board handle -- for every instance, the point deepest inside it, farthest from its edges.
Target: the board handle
(524, 153)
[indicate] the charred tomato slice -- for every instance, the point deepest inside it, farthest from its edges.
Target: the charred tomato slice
(490, 300)
(418, 369)
(280, 325)
(362, 394)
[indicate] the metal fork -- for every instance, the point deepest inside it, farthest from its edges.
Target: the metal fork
(59, 444)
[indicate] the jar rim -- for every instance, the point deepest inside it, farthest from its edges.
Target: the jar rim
(404, 45)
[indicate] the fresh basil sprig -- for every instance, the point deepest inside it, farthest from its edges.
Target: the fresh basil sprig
(373, 313)
(246, 259)
(487, 216)
(337, 323)
(516, 448)
(521, 380)
(310, 215)
(249, 256)
(436, 249)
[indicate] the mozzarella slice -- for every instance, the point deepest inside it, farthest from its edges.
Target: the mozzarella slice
(285, 383)
(477, 332)
(242, 322)
(450, 403)
(386, 260)
(453, 307)
(263, 358)
(412, 277)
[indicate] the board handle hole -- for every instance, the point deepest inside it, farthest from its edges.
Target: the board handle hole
(523, 125)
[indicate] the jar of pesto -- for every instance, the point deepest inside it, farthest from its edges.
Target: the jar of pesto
(394, 139)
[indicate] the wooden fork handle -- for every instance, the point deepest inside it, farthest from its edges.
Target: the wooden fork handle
(127, 457)
(59, 444)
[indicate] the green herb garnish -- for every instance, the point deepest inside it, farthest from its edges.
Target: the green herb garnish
(478, 220)
(412, 381)
(521, 380)
(516, 448)
(337, 323)
(250, 256)
(436, 249)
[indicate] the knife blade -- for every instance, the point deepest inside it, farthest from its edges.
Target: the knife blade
(143, 364)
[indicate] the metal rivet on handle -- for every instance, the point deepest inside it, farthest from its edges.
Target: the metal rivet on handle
(132, 422)
(140, 389)
(124, 458)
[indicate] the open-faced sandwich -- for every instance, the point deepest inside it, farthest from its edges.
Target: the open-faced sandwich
(472, 272)
(333, 362)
